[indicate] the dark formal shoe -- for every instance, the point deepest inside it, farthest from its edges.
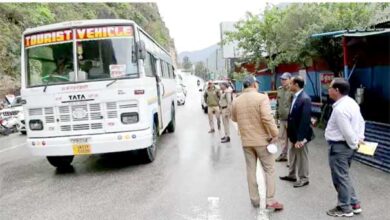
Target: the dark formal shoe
(281, 158)
(226, 140)
(287, 178)
(223, 138)
(276, 206)
(255, 204)
(338, 212)
(212, 131)
(301, 183)
(357, 209)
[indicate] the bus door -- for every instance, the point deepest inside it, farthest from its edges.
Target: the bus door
(160, 92)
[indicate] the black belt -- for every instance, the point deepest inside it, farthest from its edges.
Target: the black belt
(337, 142)
(223, 107)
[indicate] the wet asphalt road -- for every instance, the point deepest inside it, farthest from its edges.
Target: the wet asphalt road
(193, 177)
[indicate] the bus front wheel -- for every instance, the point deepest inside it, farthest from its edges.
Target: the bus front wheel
(60, 161)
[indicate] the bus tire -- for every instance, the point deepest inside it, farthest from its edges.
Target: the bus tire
(149, 154)
(172, 125)
(60, 161)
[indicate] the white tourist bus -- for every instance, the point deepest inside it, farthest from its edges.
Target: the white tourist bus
(95, 86)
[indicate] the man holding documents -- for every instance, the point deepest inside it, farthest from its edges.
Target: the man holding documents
(344, 132)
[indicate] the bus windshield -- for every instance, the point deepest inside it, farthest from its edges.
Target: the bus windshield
(98, 57)
(50, 64)
(106, 59)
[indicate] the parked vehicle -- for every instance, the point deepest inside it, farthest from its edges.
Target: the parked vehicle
(4, 130)
(10, 115)
(21, 124)
(180, 95)
(7, 125)
(184, 88)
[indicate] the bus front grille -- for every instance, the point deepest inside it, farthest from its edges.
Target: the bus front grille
(81, 117)
(35, 112)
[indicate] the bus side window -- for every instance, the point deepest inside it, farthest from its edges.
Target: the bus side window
(171, 72)
(165, 70)
(148, 64)
(168, 71)
(162, 68)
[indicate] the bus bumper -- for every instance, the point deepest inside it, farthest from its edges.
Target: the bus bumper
(90, 144)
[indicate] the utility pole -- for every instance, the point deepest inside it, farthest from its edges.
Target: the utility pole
(216, 60)
(207, 68)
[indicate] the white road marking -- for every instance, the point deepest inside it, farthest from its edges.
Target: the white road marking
(11, 148)
(263, 214)
(213, 213)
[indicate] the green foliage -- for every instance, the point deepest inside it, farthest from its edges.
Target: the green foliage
(201, 70)
(282, 35)
(187, 64)
(239, 76)
(16, 17)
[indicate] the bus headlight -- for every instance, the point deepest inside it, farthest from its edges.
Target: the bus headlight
(36, 125)
(129, 117)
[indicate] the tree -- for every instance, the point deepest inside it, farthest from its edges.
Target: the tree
(187, 64)
(283, 35)
(201, 70)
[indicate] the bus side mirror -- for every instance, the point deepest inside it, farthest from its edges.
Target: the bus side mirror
(141, 50)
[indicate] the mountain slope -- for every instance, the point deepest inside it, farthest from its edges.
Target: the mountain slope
(199, 55)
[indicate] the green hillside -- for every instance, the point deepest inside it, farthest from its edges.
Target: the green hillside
(16, 17)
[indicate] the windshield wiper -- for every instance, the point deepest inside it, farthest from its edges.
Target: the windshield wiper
(112, 82)
(47, 83)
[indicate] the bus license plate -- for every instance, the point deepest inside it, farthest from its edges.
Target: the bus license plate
(81, 149)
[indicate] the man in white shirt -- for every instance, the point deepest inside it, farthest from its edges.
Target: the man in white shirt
(345, 130)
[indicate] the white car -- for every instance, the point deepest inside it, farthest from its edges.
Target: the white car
(21, 125)
(184, 89)
(180, 95)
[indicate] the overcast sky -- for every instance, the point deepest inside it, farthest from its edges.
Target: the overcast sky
(194, 24)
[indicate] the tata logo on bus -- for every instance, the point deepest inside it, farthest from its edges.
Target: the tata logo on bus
(77, 97)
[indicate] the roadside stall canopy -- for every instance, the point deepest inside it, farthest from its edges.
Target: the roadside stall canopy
(351, 34)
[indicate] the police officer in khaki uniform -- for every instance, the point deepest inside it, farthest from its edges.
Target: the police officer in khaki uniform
(282, 109)
(211, 97)
(225, 103)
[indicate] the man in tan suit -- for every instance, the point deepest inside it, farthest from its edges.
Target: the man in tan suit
(252, 112)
